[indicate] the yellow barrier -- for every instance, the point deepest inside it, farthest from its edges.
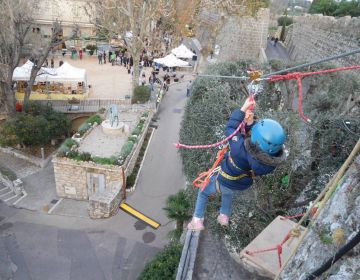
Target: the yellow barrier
(133, 212)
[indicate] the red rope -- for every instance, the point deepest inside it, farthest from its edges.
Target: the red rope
(275, 78)
(278, 248)
(298, 76)
(240, 127)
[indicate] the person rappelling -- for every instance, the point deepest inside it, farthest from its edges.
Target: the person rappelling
(247, 157)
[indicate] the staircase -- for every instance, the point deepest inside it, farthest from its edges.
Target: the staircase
(12, 194)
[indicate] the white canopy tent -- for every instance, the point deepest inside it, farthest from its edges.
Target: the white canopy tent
(69, 73)
(65, 73)
(182, 52)
(23, 72)
(171, 61)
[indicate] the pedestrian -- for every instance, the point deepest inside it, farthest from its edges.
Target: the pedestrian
(110, 54)
(104, 57)
(275, 41)
(131, 61)
(248, 156)
(46, 63)
(188, 88)
(113, 59)
(100, 57)
(143, 79)
(52, 63)
(61, 63)
(81, 54)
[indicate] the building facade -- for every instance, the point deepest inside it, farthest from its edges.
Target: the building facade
(68, 12)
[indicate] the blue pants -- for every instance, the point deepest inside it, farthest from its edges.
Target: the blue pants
(203, 197)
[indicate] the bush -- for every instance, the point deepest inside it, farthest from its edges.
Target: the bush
(91, 48)
(63, 150)
(137, 131)
(130, 180)
(110, 161)
(70, 143)
(141, 94)
(164, 265)
(94, 119)
(126, 149)
(133, 138)
(284, 20)
(83, 128)
(38, 124)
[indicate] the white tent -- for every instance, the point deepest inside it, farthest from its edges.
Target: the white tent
(171, 61)
(69, 73)
(65, 73)
(182, 52)
(23, 72)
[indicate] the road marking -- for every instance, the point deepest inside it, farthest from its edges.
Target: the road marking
(135, 213)
(56, 204)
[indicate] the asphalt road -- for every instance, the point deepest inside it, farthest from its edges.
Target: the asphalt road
(37, 246)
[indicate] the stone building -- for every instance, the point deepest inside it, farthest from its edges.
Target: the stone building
(68, 12)
(103, 185)
(232, 36)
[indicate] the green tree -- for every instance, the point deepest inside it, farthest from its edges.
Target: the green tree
(348, 8)
(177, 208)
(36, 125)
(325, 7)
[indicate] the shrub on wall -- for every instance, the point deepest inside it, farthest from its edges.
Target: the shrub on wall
(94, 119)
(164, 265)
(284, 20)
(102, 160)
(141, 94)
(126, 149)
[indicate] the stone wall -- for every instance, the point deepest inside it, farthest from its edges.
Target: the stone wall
(71, 176)
(314, 37)
(238, 37)
(106, 204)
(337, 223)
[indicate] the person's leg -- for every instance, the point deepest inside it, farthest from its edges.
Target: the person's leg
(202, 199)
(226, 200)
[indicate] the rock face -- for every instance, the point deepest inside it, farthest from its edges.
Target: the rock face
(337, 223)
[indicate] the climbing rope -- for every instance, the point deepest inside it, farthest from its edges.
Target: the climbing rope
(274, 78)
(240, 127)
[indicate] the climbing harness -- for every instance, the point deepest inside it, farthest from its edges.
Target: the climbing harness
(204, 177)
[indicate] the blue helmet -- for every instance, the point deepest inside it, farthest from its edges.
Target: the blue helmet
(268, 135)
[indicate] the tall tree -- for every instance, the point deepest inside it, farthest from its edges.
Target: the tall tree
(15, 22)
(41, 49)
(136, 17)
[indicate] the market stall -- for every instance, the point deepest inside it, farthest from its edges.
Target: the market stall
(171, 61)
(182, 52)
(64, 82)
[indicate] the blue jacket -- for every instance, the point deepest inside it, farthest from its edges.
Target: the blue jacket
(244, 160)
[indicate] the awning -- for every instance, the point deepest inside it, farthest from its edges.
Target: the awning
(182, 52)
(171, 61)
